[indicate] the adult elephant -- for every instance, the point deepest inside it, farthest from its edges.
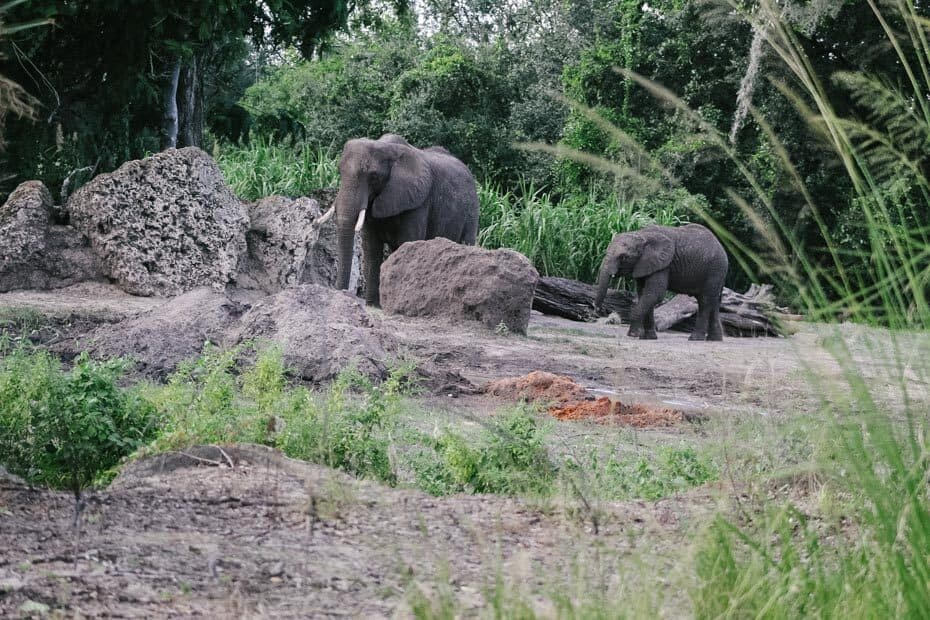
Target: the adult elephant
(686, 259)
(393, 193)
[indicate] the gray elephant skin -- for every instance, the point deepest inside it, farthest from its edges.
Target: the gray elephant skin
(685, 259)
(397, 193)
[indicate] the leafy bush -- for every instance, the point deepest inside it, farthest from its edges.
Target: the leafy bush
(508, 458)
(64, 429)
(207, 401)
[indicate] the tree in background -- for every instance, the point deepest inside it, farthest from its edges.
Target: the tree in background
(118, 78)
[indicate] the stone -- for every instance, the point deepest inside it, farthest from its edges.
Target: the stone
(35, 253)
(441, 278)
(281, 232)
(320, 331)
(163, 225)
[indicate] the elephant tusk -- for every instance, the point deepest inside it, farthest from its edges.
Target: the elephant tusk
(322, 219)
(361, 220)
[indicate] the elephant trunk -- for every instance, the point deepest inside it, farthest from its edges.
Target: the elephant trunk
(349, 204)
(603, 281)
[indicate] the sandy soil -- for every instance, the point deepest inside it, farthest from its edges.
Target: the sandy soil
(246, 532)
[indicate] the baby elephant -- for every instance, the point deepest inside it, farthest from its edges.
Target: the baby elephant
(686, 259)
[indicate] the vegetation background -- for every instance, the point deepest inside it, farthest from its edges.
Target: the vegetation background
(263, 82)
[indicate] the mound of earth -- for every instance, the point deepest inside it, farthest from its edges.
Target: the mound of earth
(320, 331)
(570, 401)
(538, 386)
(606, 410)
(441, 278)
(160, 339)
(243, 531)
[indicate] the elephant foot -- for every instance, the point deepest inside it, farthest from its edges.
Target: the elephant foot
(715, 337)
(635, 332)
(649, 335)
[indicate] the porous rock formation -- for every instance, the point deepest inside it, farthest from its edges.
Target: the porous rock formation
(441, 278)
(163, 225)
(280, 232)
(36, 253)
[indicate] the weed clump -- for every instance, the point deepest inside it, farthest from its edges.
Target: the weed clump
(66, 429)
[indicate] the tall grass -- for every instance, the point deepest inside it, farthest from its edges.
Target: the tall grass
(264, 167)
(565, 238)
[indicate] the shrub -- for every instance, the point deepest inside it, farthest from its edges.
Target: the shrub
(508, 458)
(65, 429)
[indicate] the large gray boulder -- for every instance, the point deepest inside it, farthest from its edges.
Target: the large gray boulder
(445, 279)
(320, 331)
(287, 246)
(281, 232)
(34, 252)
(163, 225)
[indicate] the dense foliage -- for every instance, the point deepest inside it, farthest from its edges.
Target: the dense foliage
(486, 80)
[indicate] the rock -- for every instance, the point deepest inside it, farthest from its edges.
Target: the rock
(439, 277)
(320, 330)
(163, 225)
(163, 337)
(34, 252)
(280, 234)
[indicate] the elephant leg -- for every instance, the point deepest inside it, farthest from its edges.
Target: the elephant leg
(649, 325)
(651, 290)
(715, 327)
(373, 247)
(702, 319)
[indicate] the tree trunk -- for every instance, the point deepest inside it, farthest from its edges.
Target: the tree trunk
(190, 103)
(169, 126)
(575, 300)
(753, 313)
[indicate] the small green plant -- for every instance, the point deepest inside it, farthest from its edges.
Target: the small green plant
(509, 458)
(64, 429)
(673, 470)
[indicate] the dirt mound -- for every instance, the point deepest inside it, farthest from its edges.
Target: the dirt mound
(443, 278)
(538, 386)
(572, 402)
(606, 410)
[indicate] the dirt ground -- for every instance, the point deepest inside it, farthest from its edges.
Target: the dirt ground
(245, 532)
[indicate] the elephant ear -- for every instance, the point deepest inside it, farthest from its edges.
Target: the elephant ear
(406, 188)
(657, 254)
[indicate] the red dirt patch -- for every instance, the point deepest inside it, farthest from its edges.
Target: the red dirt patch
(605, 410)
(573, 403)
(537, 386)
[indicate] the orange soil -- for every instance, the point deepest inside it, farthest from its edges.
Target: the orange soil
(605, 410)
(573, 403)
(537, 386)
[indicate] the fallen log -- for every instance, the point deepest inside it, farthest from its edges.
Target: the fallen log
(753, 313)
(575, 300)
